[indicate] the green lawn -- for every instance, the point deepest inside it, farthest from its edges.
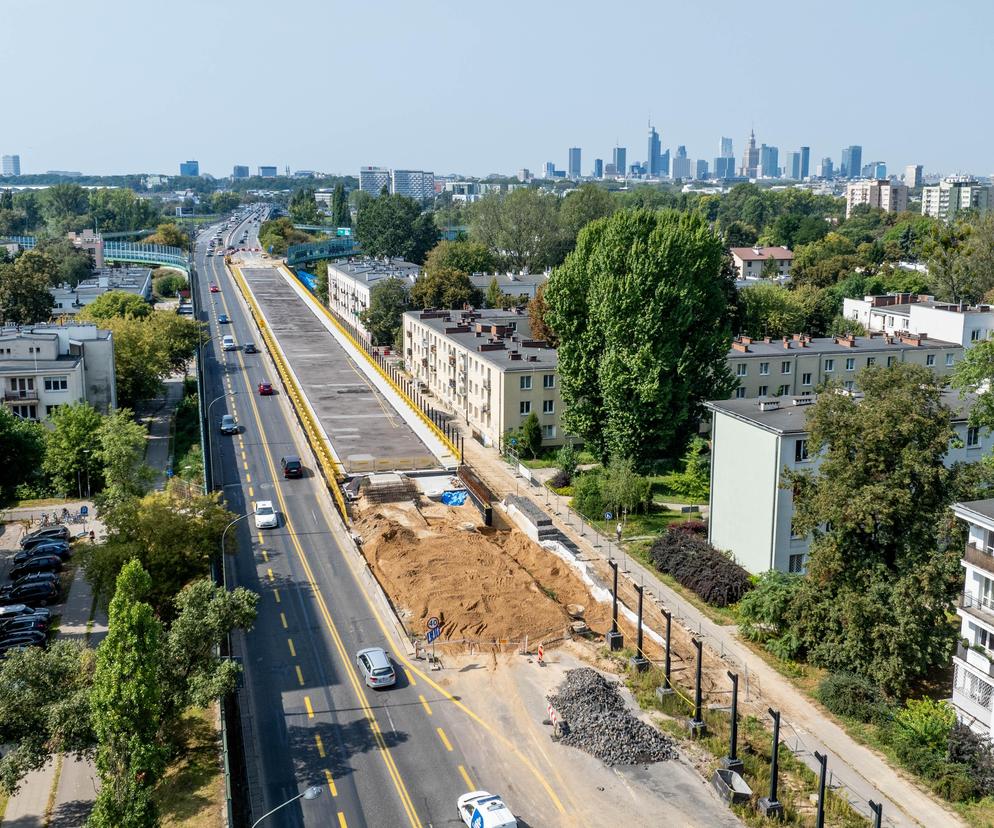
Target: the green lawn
(547, 459)
(191, 793)
(188, 457)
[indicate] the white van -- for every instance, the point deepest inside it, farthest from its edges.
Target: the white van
(228, 343)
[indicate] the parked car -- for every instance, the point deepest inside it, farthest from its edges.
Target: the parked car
(250, 348)
(265, 515)
(23, 624)
(30, 638)
(37, 577)
(376, 669)
(229, 425)
(39, 594)
(266, 389)
(45, 549)
(48, 541)
(55, 532)
(40, 563)
(20, 610)
(292, 467)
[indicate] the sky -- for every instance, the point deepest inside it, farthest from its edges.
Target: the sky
(126, 86)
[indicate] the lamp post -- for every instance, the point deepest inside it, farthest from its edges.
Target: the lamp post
(217, 564)
(210, 432)
(312, 792)
(87, 452)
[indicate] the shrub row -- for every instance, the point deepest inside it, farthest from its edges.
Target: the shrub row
(685, 555)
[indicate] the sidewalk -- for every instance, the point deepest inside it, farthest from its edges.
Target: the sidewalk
(157, 415)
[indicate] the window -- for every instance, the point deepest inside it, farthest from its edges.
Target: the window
(526, 383)
(56, 383)
(784, 390)
(525, 407)
(871, 361)
(930, 359)
(49, 409)
(891, 360)
(805, 379)
(800, 451)
(740, 393)
(548, 432)
(741, 370)
(763, 389)
(764, 368)
(784, 367)
(972, 437)
(548, 406)
(849, 385)
(25, 412)
(829, 366)
(975, 334)
(949, 360)
(549, 381)
(851, 364)
(796, 563)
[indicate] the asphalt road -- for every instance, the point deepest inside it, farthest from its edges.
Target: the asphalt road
(382, 758)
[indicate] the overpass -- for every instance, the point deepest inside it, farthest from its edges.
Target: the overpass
(160, 255)
(335, 248)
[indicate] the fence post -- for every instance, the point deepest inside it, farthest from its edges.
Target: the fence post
(770, 806)
(823, 761)
(615, 639)
(696, 725)
(732, 761)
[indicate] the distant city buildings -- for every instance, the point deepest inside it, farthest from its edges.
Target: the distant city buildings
(724, 164)
(701, 169)
(875, 169)
(913, 176)
(416, 184)
(750, 158)
(524, 174)
(654, 162)
(826, 168)
(769, 162)
(879, 193)
(852, 162)
(805, 162)
(952, 195)
(792, 165)
(268, 172)
(574, 163)
(372, 180)
(749, 261)
(10, 165)
(190, 169)
(619, 157)
(239, 171)
(598, 168)
(681, 163)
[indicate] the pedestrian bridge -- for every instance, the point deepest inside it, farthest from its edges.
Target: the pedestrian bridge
(336, 248)
(160, 255)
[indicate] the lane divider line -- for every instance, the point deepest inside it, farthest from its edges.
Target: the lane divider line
(320, 744)
(424, 703)
(445, 739)
(293, 650)
(331, 782)
(307, 704)
(466, 779)
(300, 676)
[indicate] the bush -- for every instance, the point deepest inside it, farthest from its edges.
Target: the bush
(920, 737)
(168, 284)
(698, 566)
(692, 527)
(976, 753)
(855, 697)
(560, 480)
(587, 499)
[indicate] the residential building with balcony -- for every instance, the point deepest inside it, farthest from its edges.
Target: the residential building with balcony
(973, 663)
(952, 195)
(69, 301)
(45, 366)
(797, 365)
(350, 283)
(749, 261)
(878, 193)
(514, 285)
(485, 367)
(754, 443)
(894, 313)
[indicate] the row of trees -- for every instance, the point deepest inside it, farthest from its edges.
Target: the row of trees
(65, 207)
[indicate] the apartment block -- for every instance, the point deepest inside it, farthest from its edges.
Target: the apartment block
(69, 301)
(754, 443)
(879, 193)
(416, 184)
(894, 313)
(45, 366)
(797, 365)
(952, 195)
(484, 365)
(350, 283)
(514, 285)
(749, 261)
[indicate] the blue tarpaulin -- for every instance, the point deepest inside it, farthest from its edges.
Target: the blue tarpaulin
(454, 498)
(309, 281)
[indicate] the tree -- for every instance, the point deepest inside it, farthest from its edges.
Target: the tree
(641, 311)
(64, 207)
(24, 289)
(568, 461)
(22, 448)
(115, 210)
(445, 288)
(772, 310)
(126, 700)
(72, 447)
(71, 264)
(947, 263)
(526, 439)
(176, 337)
(770, 269)
(694, 481)
(320, 269)
(166, 283)
(122, 451)
(739, 234)
(521, 227)
(465, 256)
(115, 303)
(169, 234)
(495, 296)
(224, 202)
(624, 490)
(278, 234)
(340, 214)
(387, 302)
(974, 374)
(303, 207)
(538, 313)
(395, 226)
(582, 206)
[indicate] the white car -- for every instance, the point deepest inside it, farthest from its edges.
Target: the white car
(265, 515)
(481, 809)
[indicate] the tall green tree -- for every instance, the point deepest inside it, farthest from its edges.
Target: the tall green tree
(495, 296)
(115, 303)
(169, 234)
(395, 226)
(640, 309)
(71, 264)
(946, 252)
(24, 289)
(65, 207)
(72, 448)
(521, 227)
(387, 302)
(122, 452)
(127, 707)
(303, 207)
(975, 374)
(465, 256)
(445, 288)
(773, 310)
(340, 214)
(22, 448)
(582, 206)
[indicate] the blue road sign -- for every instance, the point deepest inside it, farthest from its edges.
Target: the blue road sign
(84, 510)
(477, 820)
(608, 516)
(433, 634)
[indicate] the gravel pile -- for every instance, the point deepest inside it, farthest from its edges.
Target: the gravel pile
(598, 722)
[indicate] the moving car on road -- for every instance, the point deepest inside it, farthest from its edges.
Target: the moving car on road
(265, 515)
(223, 319)
(250, 348)
(215, 288)
(229, 425)
(292, 467)
(480, 809)
(376, 669)
(266, 389)
(228, 343)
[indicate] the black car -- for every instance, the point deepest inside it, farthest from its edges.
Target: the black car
(21, 610)
(46, 540)
(54, 532)
(23, 624)
(35, 593)
(39, 563)
(31, 638)
(250, 348)
(292, 466)
(37, 577)
(61, 550)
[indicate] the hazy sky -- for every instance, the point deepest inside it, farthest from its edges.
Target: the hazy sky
(134, 86)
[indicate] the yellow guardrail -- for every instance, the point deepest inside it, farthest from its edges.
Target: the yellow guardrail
(400, 391)
(332, 471)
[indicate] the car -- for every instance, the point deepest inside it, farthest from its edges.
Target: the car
(38, 594)
(229, 425)
(292, 467)
(265, 515)
(23, 624)
(250, 348)
(55, 532)
(48, 540)
(266, 389)
(47, 549)
(30, 638)
(228, 343)
(376, 669)
(481, 809)
(215, 288)
(39, 563)
(21, 610)
(223, 319)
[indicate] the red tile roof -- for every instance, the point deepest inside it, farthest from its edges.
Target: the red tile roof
(750, 253)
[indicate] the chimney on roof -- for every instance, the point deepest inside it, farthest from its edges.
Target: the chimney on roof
(769, 404)
(786, 343)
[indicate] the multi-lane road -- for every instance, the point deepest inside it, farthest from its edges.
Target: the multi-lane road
(397, 757)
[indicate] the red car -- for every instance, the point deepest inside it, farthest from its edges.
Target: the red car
(215, 288)
(265, 389)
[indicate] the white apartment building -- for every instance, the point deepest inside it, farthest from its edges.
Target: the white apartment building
(749, 261)
(797, 365)
(879, 193)
(895, 313)
(372, 180)
(69, 301)
(45, 366)
(753, 444)
(484, 366)
(416, 184)
(951, 195)
(350, 284)
(511, 284)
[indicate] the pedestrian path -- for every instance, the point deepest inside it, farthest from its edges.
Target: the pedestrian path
(157, 415)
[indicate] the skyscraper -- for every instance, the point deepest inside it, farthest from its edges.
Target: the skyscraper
(654, 162)
(550, 169)
(240, 171)
(852, 162)
(372, 180)
(769, 162)
(416, 184)
(620, 159)
(10, 165)
(826, 169)
(681, 163)
(805, 161)
(189, 168)
(726, 148)
(913, 175)
(598, 168)
(701, 170)
(792, 165)
(574, 163)
(750, 159)
(664, 163)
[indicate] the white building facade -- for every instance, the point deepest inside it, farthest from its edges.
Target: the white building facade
(881, 194)
(952, 195)
(350, 284)
(416, 184)
(372, 180)
(918, 314)
(749, 261)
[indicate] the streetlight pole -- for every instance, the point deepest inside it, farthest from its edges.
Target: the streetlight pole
(210, 433)
(311, 793)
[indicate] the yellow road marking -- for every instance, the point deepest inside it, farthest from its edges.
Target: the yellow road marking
(276, 594)
(293, 651)
(265, 555)
(445, 739)
(424, 703)
(300, 676)
(269, 572)
(410, 678)
(244, 465)
(260, 534)
(320, 744)
(243, 454)
(307, 704)
(341, 820)
(251, 493)
(466, 779)
(331, 782)
(283, 619)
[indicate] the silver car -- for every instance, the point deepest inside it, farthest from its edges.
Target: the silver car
(229, 425)
(376, 669)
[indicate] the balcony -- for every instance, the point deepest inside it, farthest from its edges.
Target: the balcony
(23, 395)
(979, 558)
(977, 607)
(975, 658)
(452, 359)
(972, 707)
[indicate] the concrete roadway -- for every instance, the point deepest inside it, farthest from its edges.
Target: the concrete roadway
(384, 758)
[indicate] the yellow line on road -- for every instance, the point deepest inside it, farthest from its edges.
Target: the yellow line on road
(307, 704)
(261, 541)
(331, 782)
(244, 465)
(283, 619)
(269, 572)
(300, 676)
(466, 779)
(265, 555)
(424, 703)
(243, 454)
(248, 478)
(251, 493)
(341, 820)
(410, 678)
(293, 651)
(445, 739)
(276, 594)
(320, 744)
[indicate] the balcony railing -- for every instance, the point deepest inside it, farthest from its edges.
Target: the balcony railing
(978, 606)
(23, 394)
(975, 658)
(979, 558)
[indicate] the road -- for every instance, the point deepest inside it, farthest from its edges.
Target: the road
(393, 757)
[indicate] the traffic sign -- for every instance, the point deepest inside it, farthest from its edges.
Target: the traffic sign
(84, 510)
(477, 820)
(433, 622)
(608, 516)
(433, 633)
